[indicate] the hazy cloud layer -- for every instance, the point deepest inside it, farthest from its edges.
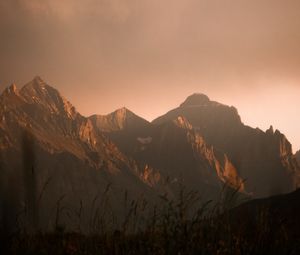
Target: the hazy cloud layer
(104, 54)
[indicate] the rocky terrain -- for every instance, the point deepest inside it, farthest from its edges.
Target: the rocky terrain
(52, 157)
(43, 138)
(263, 159)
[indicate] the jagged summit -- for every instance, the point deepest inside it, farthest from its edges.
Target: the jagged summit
(121, 116)
(33, 85)
(120, 119)
(196, 99)
(122, 112)
(270, 130)
(38, 79)
(12, 89)
(10, 97)
(221, 126)
(39, 88)
(199, 110)
(37, 84)
(203, 143)
(39, 92)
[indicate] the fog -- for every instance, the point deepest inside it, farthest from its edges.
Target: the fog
(149, 55)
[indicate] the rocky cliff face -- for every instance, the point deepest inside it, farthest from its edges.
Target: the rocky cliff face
(263, 159)
(49, 149)
(53, 122)
(175, 151)
(44, 138)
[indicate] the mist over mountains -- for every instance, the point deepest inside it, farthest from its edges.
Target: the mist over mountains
(50, 150)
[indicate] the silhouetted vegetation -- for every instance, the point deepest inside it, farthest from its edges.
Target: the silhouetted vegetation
(183, 224)
(176, 226)
(30, 183)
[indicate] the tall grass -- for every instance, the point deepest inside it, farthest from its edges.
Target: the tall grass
(30, 182)
(181, 225)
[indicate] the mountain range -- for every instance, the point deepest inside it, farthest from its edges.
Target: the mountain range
(51, 153)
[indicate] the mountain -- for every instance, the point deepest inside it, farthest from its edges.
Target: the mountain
(182, 154)
(44, 138)
(173, 151)
(123, 127)
(52, 157)
(263, 159)
(118, 120)
(53, 122)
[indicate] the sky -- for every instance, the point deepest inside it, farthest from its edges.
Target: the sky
(149, 55)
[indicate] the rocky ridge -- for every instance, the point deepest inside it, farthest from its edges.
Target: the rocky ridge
(202, 145)
(263, 159)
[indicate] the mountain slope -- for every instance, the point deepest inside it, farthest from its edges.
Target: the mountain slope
(44, 138)
(263, 159)
(51, 154)
(182, 154)
(123, 127)
(118, 120)
(54, 122)
(174, 151)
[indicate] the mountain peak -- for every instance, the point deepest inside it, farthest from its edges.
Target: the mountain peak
(270, 130)
(122, 111)
(39, 92)
(12, 89)
(196, 99)
(120, 119)
(123, 114)
(38, 79)
(9, 93)
(35, 86)
(37, 82)
(126, 118)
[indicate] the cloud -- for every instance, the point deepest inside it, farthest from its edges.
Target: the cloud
(73, 10)
(208, 40)
(118, 46)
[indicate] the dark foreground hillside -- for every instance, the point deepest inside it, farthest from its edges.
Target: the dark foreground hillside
(264, 226)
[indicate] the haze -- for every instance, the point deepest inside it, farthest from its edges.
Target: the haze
(149, 55)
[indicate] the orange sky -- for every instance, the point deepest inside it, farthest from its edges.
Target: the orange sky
(149, 55)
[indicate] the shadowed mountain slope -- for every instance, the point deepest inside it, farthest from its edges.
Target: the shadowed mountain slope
(67, 156)
(263, 159)
(174, 151)
(51, 154)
